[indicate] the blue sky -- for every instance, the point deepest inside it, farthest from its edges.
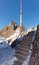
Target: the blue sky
(10, 10)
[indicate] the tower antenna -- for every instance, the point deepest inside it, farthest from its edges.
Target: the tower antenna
(20, 12)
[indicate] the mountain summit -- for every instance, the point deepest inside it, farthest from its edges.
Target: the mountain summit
(9, 29)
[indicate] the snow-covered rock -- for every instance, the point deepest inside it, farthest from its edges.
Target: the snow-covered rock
(2, 39)
(7, 54)
(32, 29)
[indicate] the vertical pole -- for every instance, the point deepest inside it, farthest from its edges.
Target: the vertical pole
(20, 12)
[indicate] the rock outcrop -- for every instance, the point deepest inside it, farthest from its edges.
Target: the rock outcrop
(9, 29)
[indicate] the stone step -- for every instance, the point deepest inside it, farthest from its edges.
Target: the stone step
(26, 41)
(27, 44)
(20, 57)
(22, 52)
(22, 49)
(24, 46)
(17, 63)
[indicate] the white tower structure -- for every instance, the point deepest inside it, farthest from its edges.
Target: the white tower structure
(20, 12)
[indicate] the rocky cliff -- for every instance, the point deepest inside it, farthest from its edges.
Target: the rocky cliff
(9, 29)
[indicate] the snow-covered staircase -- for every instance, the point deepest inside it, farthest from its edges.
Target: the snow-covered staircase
(23, 49)
(34, 60)
(27, 61)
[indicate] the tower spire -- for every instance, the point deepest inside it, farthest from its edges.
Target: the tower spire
(20, 12)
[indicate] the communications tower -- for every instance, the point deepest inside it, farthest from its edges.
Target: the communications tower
(20, 12)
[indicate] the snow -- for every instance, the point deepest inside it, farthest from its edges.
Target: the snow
(33, 36)
(26, 62)
(3, 45)
(14, 36)
(2, 39)
(32, 29)
(7, 54)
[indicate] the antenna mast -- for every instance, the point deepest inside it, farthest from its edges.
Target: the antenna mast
(20, 12)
